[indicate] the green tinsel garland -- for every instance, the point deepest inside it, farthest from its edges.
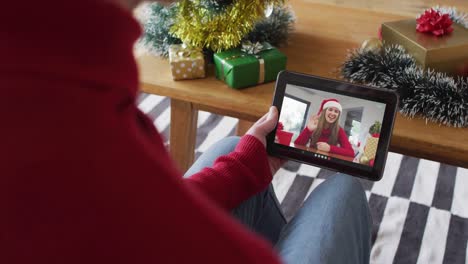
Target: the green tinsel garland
(274, 29)
(433, 95)
(157, 37)
(215, 6)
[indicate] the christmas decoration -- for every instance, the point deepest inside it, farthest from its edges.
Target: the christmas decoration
(372, 45)
(250, 65)
(442, 53)
(157, 37)
(198, 27)
(364, 160)
(280, 126)
(283, 137)
(434, 95)
(186, 63)
(457, 17)
(425, 90)
(434, 22)
(274, 29)
(375, 129)
(371, 147)
(372, 142)
(215, 6)
(253, 48)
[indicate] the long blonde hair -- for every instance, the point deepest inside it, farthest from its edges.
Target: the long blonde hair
(334, 127)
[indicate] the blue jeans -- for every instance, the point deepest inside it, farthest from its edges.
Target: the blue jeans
(333, 225)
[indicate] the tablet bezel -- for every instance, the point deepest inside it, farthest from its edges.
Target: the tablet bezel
(388, 97)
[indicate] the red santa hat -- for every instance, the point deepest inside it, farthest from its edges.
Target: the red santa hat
(332, 102)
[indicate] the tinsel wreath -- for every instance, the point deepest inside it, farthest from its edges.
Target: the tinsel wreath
(157, 37)
(215, 6)
(274, 29)
(433, 95)
(198, 27)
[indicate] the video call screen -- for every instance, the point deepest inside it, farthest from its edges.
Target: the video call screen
(330, 126)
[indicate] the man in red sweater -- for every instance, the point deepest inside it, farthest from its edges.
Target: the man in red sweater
(85, 177)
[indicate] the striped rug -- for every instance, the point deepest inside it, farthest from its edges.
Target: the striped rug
(419, 208)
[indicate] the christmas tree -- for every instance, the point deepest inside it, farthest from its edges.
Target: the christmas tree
(217, 25)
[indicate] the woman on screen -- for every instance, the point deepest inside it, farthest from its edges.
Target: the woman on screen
(323, 131)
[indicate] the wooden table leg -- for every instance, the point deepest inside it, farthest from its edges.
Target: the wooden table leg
(183, 133)
(242, 127)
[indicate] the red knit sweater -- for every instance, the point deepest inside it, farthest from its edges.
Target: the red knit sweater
(84, 176)
(344, 148)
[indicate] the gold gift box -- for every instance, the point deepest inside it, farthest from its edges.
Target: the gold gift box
(444, 53)
(186, 63)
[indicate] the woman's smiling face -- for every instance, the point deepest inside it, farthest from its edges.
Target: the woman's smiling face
(331, 114)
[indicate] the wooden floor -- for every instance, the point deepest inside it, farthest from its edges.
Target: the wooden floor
(400, 7)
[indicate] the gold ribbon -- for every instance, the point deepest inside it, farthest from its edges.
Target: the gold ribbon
(249, 49)
(183, 51)
(261, 74)
(184, 54)
(261, 64)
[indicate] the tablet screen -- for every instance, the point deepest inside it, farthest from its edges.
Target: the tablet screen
(330, 126)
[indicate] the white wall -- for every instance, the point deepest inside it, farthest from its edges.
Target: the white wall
(309, 95)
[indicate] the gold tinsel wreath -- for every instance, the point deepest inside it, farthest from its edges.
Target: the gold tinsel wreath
(198, 27)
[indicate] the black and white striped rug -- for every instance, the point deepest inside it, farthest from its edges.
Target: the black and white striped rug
(419, 208)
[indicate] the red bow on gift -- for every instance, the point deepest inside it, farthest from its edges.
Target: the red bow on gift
(434, 22)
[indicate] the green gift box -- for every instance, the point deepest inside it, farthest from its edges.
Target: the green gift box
(444, 53)
(249, 65)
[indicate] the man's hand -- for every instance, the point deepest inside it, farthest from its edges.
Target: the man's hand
(264, 125)
(261, 129)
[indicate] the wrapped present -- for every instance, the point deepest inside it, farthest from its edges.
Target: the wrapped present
(283, 137)
(186, 63)
(371, 147)
(253, 64)
(438, 49)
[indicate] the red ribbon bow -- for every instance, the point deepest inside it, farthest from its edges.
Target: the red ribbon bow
(434, 22)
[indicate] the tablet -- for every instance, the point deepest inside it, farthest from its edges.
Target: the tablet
(332, 124)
